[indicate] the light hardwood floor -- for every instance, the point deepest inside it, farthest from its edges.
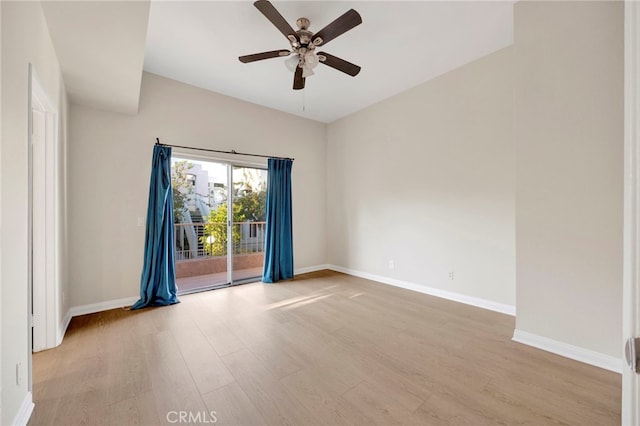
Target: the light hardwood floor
(324, 349)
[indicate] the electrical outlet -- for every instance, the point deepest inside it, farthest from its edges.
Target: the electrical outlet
(392, 264)
(451, 275)
(140, 221)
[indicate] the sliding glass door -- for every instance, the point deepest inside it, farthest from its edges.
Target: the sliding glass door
(248, 222)
(219, 231)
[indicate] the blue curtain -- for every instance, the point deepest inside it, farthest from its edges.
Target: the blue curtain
(158, 281)
(278, 253)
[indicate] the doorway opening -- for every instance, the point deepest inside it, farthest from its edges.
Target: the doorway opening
(219, 214)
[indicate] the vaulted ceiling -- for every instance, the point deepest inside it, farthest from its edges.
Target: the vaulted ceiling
(104, 46)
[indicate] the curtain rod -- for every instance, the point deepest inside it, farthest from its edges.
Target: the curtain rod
(233, 151)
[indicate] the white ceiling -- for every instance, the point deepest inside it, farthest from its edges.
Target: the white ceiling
(399, 45)
(101, 48)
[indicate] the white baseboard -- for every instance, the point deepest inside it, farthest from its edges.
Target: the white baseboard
(24, 413)
(127, 301)
(101, 306)
(306, 270)
(587, 356)
(62, 327)
(443, 294)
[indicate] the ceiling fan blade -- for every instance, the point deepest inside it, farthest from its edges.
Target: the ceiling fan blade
(264, 55)
(298, 79)
(339, 64)
(272, 14)
(338, 27)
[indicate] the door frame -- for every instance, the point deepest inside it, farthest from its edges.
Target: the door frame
(631, 280)
(44, 312)
(230, 163)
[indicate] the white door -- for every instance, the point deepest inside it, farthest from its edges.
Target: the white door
(39, 262)
(631, 293)
(43, 219)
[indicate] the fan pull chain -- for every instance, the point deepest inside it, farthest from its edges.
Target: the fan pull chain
(304, 108)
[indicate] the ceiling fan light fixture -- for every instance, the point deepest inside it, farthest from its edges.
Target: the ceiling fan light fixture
(311, 59)
(292, 62)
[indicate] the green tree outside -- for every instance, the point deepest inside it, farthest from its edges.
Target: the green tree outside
(215, 231)
(182, 188)
(253, 206)
(249, 207)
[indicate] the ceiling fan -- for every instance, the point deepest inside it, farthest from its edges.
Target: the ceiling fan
(303, 44)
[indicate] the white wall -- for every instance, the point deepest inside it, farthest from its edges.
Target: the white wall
(569, 133)
(1, 139)
(25, 39)
(426, 178)
(109, 169)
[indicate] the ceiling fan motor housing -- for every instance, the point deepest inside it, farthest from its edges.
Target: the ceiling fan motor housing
(303, 23)
(304, 35)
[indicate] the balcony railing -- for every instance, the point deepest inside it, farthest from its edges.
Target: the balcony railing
(200, 240)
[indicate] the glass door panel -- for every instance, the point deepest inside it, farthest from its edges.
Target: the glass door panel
(200, 196)
(248, 223)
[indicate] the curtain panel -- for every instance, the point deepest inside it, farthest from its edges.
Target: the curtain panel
(158, 280)
(278, 255)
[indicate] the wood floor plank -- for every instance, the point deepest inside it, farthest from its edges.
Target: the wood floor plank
(278, 362)
(325, 348)
(140, 410)
(231, 406)
(445, 410)
(569, 407)
(309, 389)
(175, 375)
(221, 338)
(46, 412)
(315, 350)
(171, 403)
(265, 392)
(373, 401)
(89, 407)
(206, 368)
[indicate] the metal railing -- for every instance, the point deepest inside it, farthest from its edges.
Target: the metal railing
(207, 240)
